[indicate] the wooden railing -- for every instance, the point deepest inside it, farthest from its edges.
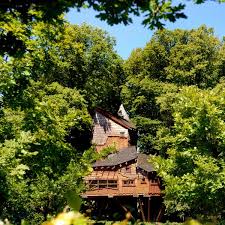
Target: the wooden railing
(109, 188)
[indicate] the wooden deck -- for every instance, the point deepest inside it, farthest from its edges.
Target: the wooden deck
(144, 189)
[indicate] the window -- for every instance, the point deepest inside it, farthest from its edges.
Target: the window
(154, 181)
(143, 181)
(112, 183)
(102, 183)
(128, 183)
(93, 184)
(98, 184)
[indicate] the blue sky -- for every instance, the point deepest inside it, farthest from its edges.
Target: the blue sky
(136, 35)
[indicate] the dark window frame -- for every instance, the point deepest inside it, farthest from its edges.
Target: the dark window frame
(129, 183)
(101, 184)
(143, 180)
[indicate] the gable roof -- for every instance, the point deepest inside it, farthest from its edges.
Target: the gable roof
(124, 123)
(122, 156)
(126, 155)
(142, 162)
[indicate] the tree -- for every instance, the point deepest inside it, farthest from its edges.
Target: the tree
(38, 165)
(191, 161)
(83, 57)
(45, 126)
(182, 57)
(139, 97)
(79, 57)
(113, 13)
(16, 16)
(170, 60)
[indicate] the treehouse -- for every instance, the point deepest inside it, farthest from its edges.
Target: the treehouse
(124, 177)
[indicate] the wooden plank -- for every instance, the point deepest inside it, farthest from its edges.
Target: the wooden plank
(114, 174)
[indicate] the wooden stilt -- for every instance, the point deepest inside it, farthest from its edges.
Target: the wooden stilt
(160, 214)
(149, 208)
(142, 211)
(100, 207)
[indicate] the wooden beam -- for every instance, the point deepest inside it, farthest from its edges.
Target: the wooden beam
(149, 208)
(114, 173)
(160, 214)
(142, 211)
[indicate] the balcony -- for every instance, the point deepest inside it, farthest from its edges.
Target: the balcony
(128, 187)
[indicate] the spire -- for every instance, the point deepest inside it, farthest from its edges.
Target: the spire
(122, 113)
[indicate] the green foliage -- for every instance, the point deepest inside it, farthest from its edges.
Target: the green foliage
(80, 57)
(53, 72)
(38, 165)
(182, 57)
(74, 200)
(14, 15)
(45, 126)
(170, 60)
(69, 218)
(84, 58)
(182, 126)
(191, 162)
(106, 151)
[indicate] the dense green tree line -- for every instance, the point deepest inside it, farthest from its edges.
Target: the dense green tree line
(47, 94)
(37, 165)
(175, 93)
(191, 160)
(53, 74)
(171, 60)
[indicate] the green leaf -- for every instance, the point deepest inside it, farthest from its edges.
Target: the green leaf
(74, 200)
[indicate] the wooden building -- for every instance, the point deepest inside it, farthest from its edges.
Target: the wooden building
(124, 176)
(111, 130)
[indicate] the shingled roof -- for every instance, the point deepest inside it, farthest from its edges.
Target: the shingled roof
(124, 123)
(126, 155)
(122, 156)
(142, 163)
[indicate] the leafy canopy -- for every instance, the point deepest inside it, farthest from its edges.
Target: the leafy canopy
(75, 56)
(38, 165)
(46, 89)
(16, 16)
(191, 161)
(171, 60)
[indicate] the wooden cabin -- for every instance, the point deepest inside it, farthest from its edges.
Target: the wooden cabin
(124, 176)
(125, 173)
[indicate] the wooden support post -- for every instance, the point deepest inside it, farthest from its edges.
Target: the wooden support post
(142, 211)
(149, 208)
(160, 214)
